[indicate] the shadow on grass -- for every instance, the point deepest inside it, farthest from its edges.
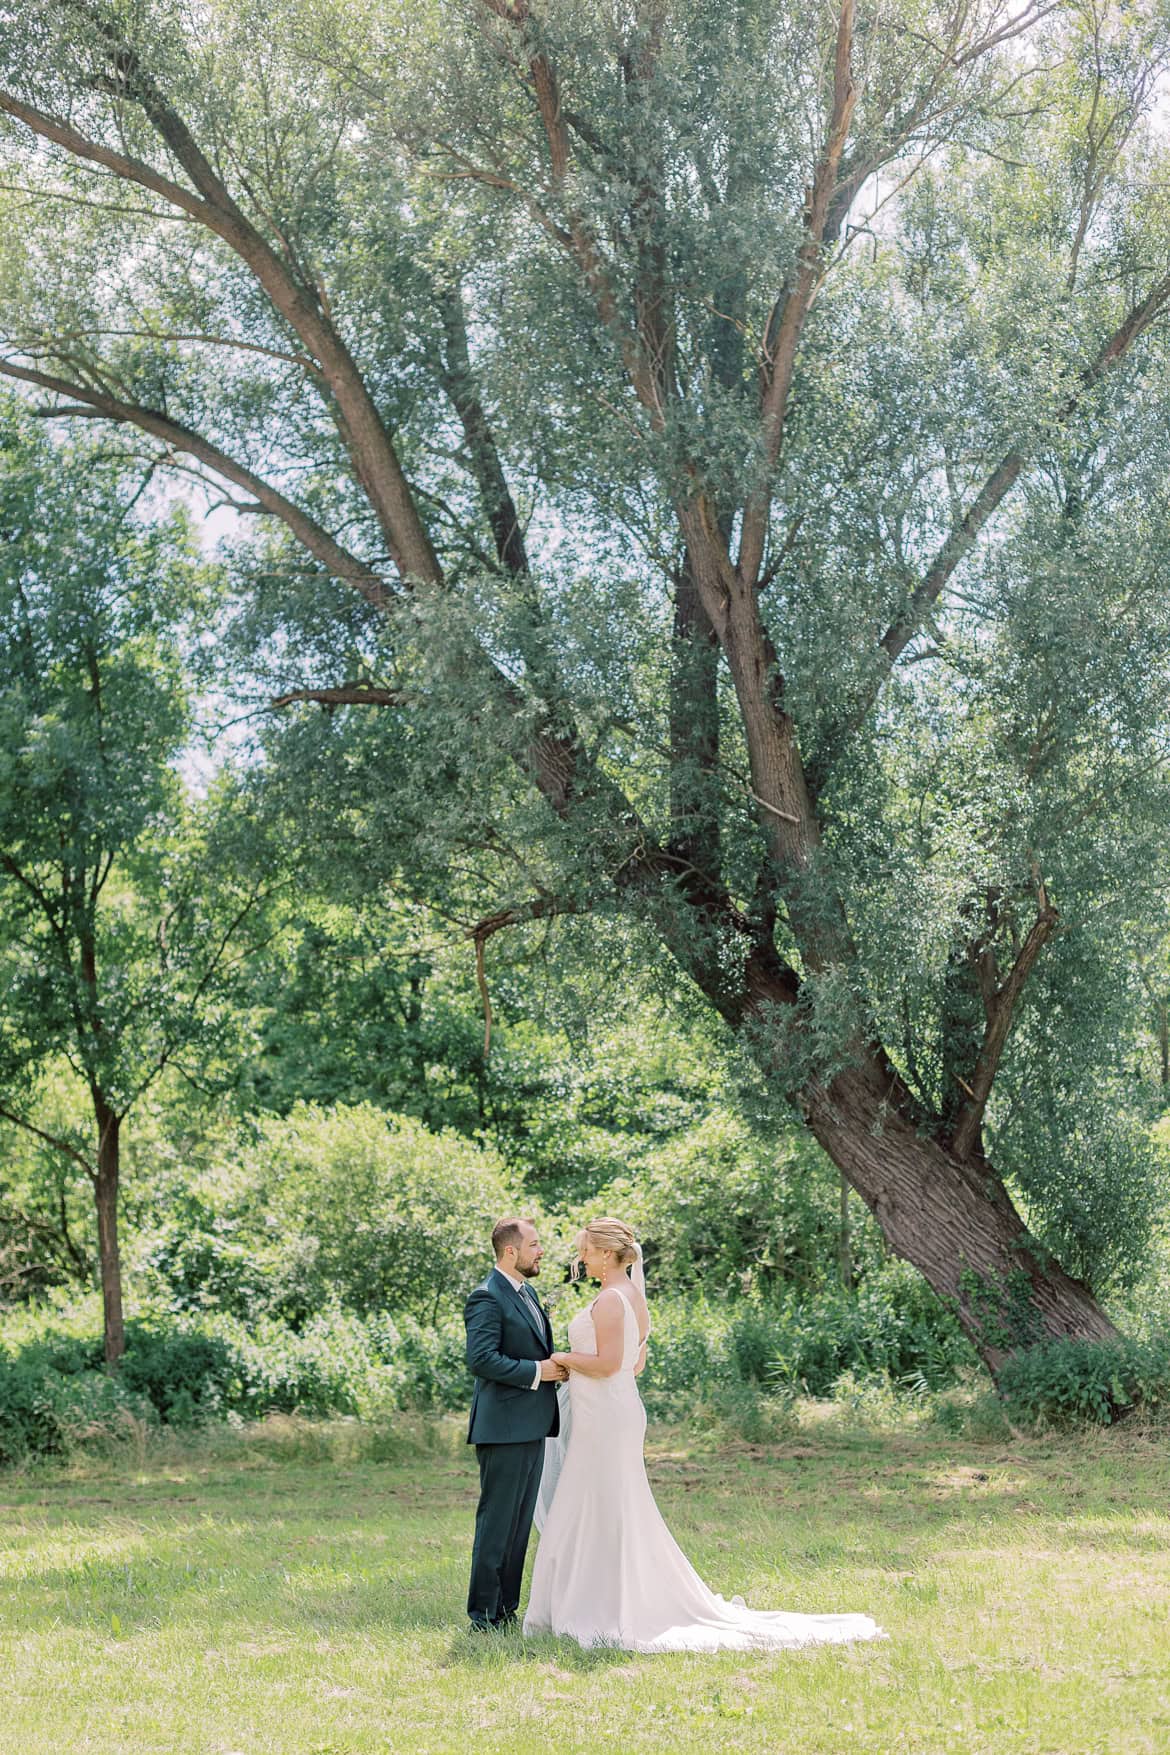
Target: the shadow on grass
(498, 1651)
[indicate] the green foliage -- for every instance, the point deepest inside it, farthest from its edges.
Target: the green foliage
(344, 1204)
(126, 906)
(1069, 1382)
(107, 923)
(368, 1004)
(1004, 1309)
(1079, 1148)
(734, 1209)
(186, 1371)
(892, 1327)
(53, 1394)
(742, 1362)
(48, 1412)
(973, 459)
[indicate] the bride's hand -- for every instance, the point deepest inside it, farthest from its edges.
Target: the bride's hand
(561, 1359)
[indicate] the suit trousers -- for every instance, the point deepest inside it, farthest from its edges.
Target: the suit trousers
(509, 1478)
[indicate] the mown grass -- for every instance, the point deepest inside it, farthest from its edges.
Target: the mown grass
(299, 1591)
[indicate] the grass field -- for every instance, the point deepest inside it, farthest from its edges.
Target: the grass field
(300, 1592)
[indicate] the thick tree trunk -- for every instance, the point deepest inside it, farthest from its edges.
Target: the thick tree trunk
(945, 1211)
(105, 1190)
(952, 1220)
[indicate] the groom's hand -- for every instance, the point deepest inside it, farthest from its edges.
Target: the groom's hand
(552, 1371)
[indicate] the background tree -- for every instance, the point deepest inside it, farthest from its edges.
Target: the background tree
(120, 928)
(723, 425)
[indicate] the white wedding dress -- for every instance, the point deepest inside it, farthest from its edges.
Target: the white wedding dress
(608, 1571)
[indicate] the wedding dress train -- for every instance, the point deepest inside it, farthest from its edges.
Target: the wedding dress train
(608, 1571)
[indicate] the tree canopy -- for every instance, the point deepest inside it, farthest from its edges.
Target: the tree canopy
(719, 455)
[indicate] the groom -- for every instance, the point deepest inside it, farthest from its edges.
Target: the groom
(513, 1411)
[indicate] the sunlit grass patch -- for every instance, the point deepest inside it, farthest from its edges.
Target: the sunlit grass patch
(291, 1590)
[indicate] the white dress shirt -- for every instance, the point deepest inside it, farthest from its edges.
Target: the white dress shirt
(519, 1285)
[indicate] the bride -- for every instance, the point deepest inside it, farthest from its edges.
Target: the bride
(608, 1571)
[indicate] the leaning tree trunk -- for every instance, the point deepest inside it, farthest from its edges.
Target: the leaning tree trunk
(105, 1190)
(952, 1220)
(943, 1209)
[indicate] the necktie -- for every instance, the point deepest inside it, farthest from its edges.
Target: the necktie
(527, 1292)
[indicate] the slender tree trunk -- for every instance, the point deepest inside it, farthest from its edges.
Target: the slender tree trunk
(845, 1239)
(106, 1199)
(1164, 1042)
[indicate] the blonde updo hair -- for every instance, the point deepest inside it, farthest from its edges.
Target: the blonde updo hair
(613, 1234)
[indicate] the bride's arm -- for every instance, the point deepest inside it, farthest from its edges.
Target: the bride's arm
(608, 1325)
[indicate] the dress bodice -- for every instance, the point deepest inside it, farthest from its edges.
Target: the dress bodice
(583, 1334)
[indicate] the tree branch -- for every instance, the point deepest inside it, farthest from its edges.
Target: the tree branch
(1000, 1003)
(370, 447)
(459, 383)
(355, 694)
(131, 170)
(311, 535)
(790, 310)
(50, 1139)
(577, 237)
(539, 908)
(1003, 478)
(965, 532)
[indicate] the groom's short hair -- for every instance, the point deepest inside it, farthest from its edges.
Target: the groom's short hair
(506, 1234)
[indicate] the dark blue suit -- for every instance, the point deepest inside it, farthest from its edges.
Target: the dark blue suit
(509, 1423)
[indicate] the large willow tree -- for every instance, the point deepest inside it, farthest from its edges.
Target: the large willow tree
(721, 449)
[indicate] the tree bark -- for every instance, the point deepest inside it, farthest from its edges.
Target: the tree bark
(105, 1191)
(694, 736)
(952, 1220)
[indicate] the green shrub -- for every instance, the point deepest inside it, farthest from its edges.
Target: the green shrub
(722, 1208)
(190, 1369)
(184, 1375)
(688, 1352)
(202, 1258)
(45, 1411)
(433, 1361)
(336, 1363)
(1069, 1382)
(893, 1327)
(345, 1205)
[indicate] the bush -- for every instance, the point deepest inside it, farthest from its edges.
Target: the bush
(189, 1370)
(1069, 1382)
(893, 1327)
(346, 1204)
(45, 1411)
(433, 1359)
(740, 1363)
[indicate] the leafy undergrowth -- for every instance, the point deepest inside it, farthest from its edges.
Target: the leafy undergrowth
(297, 1589)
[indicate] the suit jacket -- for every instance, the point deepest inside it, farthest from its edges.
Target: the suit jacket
(505, 1338)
